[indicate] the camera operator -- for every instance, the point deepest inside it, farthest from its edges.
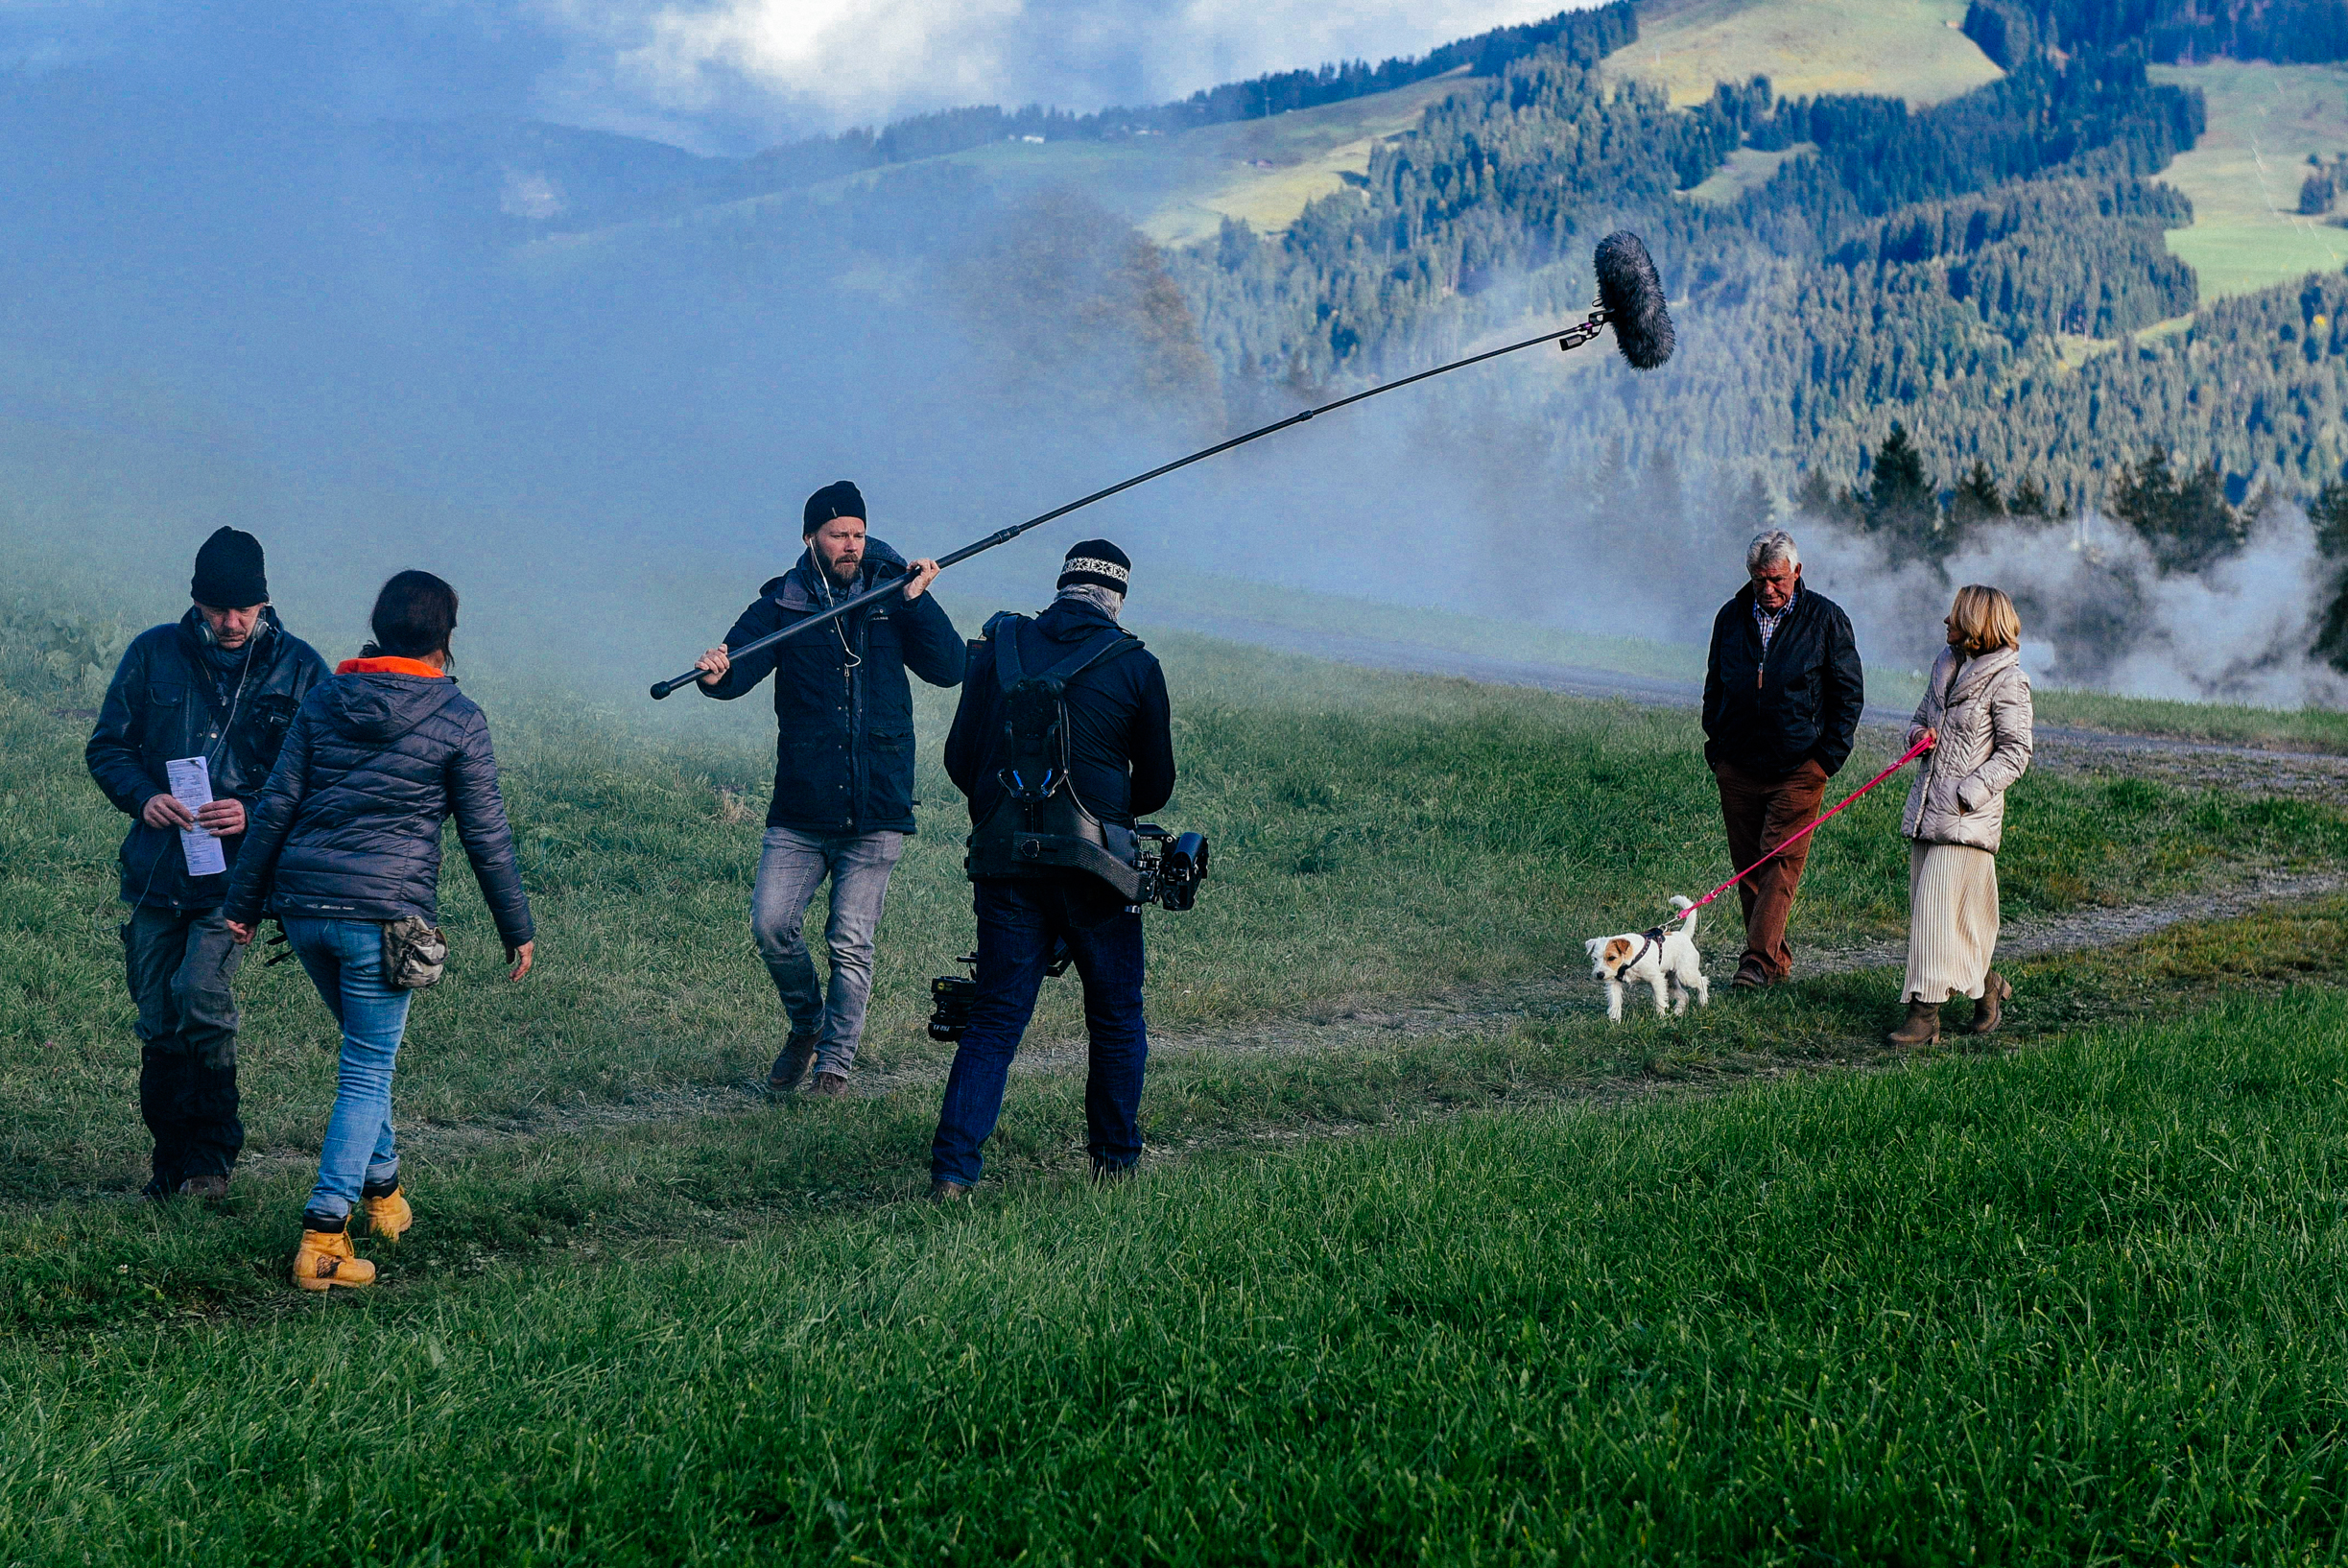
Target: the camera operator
(844, 767)
(1114, 734)
(222, 683)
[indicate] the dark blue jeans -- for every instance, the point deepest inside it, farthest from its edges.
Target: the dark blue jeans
(1019, 924)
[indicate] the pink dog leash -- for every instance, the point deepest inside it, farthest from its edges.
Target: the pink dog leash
(1915, 751)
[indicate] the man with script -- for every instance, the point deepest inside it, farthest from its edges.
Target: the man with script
(197, 712)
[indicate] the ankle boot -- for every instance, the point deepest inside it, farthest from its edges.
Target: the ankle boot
(1923, 1026)
(1990, 1010)
(387, 1213)
(326, 1259)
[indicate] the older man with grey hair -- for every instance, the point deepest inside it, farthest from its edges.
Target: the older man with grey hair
(1783, 690)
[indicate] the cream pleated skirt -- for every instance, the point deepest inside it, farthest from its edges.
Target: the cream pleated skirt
(1951, 921)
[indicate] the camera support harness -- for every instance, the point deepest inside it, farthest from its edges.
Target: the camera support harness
(1039, 828)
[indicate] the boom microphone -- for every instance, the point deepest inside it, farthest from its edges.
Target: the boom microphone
(1631, 296)
(1630, 300)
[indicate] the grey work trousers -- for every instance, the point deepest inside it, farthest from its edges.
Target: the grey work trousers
(791, 868)
(182, 966)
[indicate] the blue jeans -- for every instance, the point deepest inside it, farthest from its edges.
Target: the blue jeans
(1019, 924)
(344, 961)
(790, 869)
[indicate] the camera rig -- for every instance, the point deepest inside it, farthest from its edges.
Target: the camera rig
(1170, 866)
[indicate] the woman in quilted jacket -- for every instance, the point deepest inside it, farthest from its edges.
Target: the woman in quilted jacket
(1976, 712)
(343, 847)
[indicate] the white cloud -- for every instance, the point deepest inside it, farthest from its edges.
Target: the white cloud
(807, 65)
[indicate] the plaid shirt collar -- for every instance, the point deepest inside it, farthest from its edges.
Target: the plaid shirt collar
(1767, 619)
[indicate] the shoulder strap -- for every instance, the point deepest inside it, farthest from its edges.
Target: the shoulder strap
(1109, 641)
(1003, 630)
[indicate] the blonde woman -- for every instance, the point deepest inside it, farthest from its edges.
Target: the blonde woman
(1977, 713)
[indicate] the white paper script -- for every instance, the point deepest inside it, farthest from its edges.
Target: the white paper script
(191, 785)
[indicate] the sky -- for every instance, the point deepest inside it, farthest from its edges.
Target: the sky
(726, 76)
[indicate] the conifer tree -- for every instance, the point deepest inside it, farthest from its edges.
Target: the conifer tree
(1900, 500)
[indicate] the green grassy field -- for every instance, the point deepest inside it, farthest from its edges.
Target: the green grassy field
(2243, 175)
(2076, 1304)
(1909, 49)
(1379, 1292)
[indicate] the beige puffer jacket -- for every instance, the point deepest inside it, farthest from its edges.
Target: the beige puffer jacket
(1982, 707)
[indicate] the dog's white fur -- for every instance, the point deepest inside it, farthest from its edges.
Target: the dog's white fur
(1672, 967)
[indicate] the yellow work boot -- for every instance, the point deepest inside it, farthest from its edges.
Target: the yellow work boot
(387, 1213)
(326, 1259)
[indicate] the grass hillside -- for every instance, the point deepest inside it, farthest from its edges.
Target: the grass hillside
(2243, 175)
(1909, 49)
(2059, 1301)
(1178, 189)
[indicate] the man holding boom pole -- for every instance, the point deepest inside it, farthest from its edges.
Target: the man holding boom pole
(843, 766)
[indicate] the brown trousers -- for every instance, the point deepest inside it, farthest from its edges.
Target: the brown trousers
(1759, 813)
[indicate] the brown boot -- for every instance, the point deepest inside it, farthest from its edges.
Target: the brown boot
(1923, 1026)
(789, 1069)
(1990, 1010)
(829, 1084)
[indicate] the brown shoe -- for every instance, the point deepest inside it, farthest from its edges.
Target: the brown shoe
(1990, 1010)
(211, 1187)
(789, 1069)
(1750, 976)
(828, 1084)
(943, 1191)
(1923, 1026)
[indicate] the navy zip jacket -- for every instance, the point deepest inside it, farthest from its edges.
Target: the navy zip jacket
(349, 825)
(170, 699)
(1119, 734)
(1770, 714)
(844, 751)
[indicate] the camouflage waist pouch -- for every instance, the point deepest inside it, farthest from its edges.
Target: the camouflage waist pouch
(415, 953)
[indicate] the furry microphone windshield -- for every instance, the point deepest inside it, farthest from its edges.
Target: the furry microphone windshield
(1632, 296)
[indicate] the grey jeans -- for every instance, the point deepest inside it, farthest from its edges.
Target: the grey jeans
(790, 871)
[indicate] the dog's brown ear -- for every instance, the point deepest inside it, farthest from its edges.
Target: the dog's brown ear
(1617, 950)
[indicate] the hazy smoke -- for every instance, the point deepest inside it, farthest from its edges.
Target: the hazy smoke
(2097, 611)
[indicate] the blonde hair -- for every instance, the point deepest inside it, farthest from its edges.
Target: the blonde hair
(1984, 619)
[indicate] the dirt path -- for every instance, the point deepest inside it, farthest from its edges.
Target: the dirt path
(1474, 1010)
(1485, 1008)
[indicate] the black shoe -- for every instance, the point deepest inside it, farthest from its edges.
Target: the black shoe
(943, 1191)
(1750, 976)
(212, 1187)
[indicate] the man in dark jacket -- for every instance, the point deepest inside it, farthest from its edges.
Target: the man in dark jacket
(220, 683)
(843, 766)
(1782, 692)
(1118, 744)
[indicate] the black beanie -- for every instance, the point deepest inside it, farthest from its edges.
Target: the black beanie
(840, 498)
(229, 573)
(1097, 561)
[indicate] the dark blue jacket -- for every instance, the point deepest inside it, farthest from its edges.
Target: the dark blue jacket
(844, 751)
(1120, 732)
(1770, 714)
(167, 699)
(349, 825)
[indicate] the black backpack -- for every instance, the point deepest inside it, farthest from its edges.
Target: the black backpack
(1039, 828)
